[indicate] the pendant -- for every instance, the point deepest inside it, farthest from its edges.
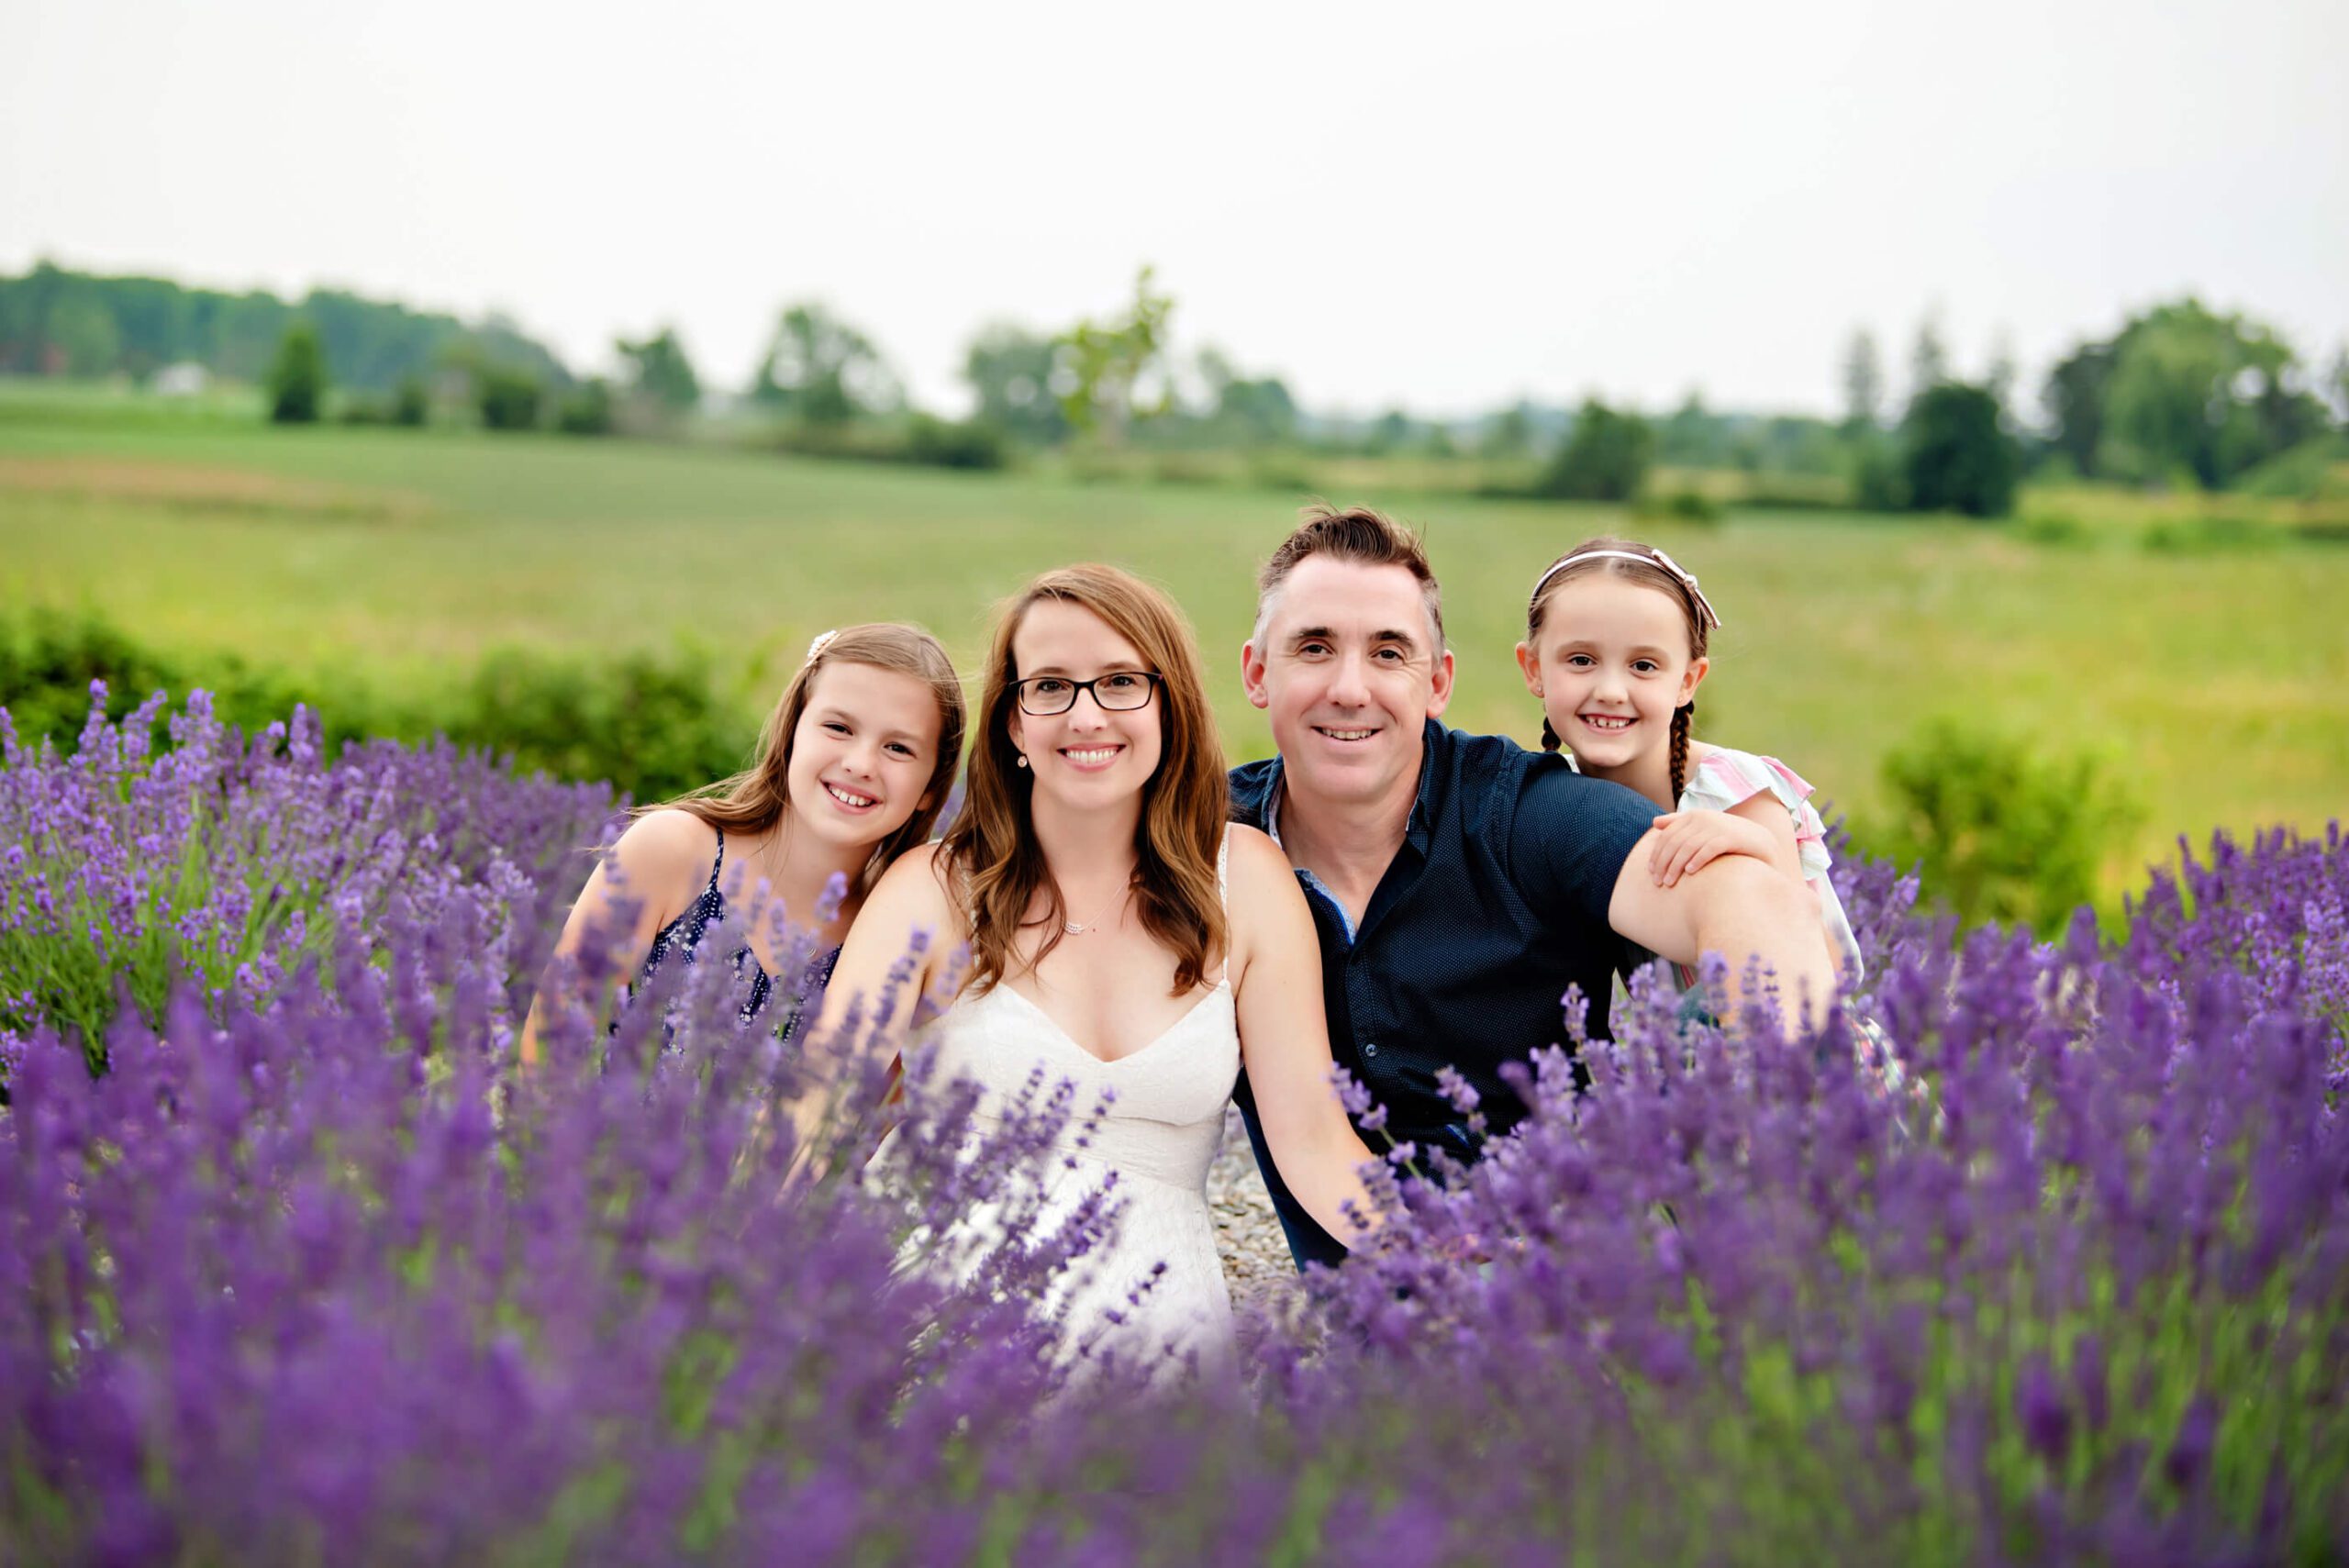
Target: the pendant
(1072, 928)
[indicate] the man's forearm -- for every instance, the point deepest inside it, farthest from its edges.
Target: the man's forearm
(1747, 910)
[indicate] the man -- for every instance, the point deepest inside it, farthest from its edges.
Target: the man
(1459, 883)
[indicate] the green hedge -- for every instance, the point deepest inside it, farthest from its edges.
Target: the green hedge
(652, 725)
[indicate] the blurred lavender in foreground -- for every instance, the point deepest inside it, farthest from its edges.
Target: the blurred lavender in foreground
(223, 862)
(309, 1273)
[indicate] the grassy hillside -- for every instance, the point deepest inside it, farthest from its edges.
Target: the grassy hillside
(2217, 679)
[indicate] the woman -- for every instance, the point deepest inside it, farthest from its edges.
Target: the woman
(853, 766)
(1121, 936)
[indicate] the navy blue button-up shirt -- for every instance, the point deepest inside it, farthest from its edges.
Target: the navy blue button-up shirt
(1496, 902)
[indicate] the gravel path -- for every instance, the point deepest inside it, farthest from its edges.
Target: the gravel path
(1247, 1231)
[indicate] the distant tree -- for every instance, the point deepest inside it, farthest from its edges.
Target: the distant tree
(2283, 415)
(2170, 393)
(585, 409)
(1389, 432)
(1011, 369)
(1798, 443)
(58, 322)
(1108, 361)
(297, 377)
(2181, 391)
(83, 337)
(1508, 435)
(660, 371)
(1875, 471)
(1956, 453)
(1693, 436)
(1863, 381)
(2075, 398)
(1928, 358)
(821, 370)
(2200, 393)
(509, 397)
(2000, 377)
(240, 333)
(1604, 458)
(2337, 385)
(412, 403)
(1261, 407)
(1252, 411)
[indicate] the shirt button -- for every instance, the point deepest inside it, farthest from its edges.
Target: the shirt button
(1370, 1049)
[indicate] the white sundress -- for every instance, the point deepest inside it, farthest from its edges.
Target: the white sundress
(1158, 1139)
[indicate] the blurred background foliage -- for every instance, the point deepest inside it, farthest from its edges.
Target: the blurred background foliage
(654, 724)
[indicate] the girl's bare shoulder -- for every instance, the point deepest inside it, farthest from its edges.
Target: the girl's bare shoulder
(666, 853)
(920, 880)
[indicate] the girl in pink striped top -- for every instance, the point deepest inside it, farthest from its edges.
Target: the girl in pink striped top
(1614, 648)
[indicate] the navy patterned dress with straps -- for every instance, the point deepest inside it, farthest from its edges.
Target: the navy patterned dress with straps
(682, 937)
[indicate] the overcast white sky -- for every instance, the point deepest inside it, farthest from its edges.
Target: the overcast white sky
(1439, 205)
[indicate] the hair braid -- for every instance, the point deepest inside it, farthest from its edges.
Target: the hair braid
(1682, 717)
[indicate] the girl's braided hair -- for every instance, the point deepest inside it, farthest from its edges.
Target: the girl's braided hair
(1649, 573)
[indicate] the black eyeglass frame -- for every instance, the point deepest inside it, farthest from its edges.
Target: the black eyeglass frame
(1152, 680)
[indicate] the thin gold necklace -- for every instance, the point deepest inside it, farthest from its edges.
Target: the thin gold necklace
(1078, 928)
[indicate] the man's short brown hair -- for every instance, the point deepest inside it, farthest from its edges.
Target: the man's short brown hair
(1355, 534)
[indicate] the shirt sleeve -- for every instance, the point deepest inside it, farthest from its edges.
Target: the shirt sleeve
(1570, 838)
(1726, 779)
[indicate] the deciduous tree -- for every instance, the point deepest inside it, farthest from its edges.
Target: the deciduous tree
(1957, 456)
(1011, 371)
(1605, 457)
(1108, 362)
(821, 370)
(661, 373)
(297, 377)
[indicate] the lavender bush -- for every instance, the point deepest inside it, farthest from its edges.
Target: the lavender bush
(223, 862)
(311, 1274)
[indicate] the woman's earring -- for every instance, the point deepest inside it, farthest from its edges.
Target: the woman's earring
(1023, 759)
(1538, 692)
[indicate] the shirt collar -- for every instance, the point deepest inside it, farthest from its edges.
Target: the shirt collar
(1416, 828)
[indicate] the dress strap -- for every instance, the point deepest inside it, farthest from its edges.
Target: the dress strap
(1222, 860)
(719, 863)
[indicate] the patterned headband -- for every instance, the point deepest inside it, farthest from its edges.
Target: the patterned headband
(823, 641)
(1653, 557)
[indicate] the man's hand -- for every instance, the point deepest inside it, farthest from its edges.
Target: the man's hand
(1686, 841)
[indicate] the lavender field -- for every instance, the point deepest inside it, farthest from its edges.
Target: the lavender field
(297, 1268)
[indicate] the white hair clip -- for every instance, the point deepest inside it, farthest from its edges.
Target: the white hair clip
(1653, 557)
(823, 641)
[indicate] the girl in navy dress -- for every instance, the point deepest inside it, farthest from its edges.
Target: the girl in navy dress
(852, 769)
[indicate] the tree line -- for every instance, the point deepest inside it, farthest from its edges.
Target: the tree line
(2180, 394)
(56, 322)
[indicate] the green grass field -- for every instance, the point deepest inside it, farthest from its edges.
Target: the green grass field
(2217, 683)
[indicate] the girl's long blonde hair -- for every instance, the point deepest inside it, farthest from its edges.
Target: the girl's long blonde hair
(755, 799)
(992, 861)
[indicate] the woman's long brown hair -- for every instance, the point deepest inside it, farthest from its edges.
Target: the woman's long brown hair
(755, 799)
(992, 861)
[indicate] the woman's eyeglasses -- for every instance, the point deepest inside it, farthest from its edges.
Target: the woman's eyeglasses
(1118, 691)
